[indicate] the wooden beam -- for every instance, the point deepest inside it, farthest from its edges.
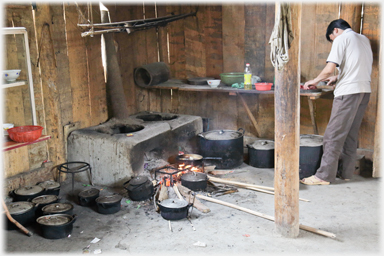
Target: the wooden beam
(287, 131)
(351, 13)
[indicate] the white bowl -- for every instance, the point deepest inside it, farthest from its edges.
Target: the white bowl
(6, 127)
(214, 83)
(11, 75)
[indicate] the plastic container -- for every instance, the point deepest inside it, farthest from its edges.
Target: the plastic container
(263, 86)
(232, 78)
(247, 77)
(27, 133)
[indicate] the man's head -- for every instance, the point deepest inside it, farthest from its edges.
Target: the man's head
(334, 27)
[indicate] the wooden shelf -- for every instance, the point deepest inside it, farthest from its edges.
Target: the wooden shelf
(8, 144)
(14, 84)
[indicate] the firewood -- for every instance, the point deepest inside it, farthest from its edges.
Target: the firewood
(178, 192)
(186, 192)
(163, 193)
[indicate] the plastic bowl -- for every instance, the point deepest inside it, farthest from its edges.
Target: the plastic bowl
(11, 75)
(6, 127)
(27, 133)
(214, 83)
(232, 78)
(263, 86)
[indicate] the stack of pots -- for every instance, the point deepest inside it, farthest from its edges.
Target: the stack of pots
(311, 151)
(227, 144)
(262, 154)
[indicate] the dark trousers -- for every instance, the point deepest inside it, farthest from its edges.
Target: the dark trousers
(341, 136)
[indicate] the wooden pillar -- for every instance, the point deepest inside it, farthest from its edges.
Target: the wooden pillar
(287, 135)
(351, 13)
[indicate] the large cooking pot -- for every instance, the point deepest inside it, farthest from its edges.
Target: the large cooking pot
(23, 212)
(58, 208)
(51, 187)
(42, 201)
(311, 151)
(194, 180)
(27, 193)
(109, 204)
(56, 226)
(262, 154)
(174, 209)
(87, 197)
(227, 144)
(139, 188)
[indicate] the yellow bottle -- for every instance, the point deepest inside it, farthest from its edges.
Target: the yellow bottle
(247, 77)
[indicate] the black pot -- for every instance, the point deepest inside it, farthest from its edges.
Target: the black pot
(58, 208)
(195, 181)
(311, 151)
(27, 193)
(42, 201)
(108, 204)
(50, 187)
(56, 226)
(23, 212)
(227, 144)
(194, 159)
(174, 209)
(87, 197)
(262, 154)
(139, 188)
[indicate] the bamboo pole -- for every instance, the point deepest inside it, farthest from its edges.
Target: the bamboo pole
(262, 215)
(272, 193)
(213, 179)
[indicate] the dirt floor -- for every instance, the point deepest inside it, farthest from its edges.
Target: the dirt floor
(350, 210)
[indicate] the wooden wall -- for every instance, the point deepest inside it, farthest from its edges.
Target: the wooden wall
(69, 81)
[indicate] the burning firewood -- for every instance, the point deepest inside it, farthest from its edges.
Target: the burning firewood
(186, 192)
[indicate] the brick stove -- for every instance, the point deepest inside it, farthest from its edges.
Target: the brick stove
(119, 149)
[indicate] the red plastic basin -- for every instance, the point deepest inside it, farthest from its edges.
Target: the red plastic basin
(26, 133)
(263, 86)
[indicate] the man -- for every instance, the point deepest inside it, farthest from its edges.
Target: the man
(351, 54)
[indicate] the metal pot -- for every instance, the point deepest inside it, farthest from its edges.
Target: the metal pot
(139, 188)
(87, 197)
(194, 159)
(56, 226)
(109, 204)
(262, 154)
(58, 208)
(27, 193)
(22, 212)
(174, 209)
(194, 180)
(227, 144)
(311, 151)
(51, 187)
(42, 201)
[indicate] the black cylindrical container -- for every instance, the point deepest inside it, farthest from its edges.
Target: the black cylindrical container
(311, 151)
(108, 204)
(139, 188)
(56, 226)
(42, 201)
(27, 193)
(87, 197)
(262, 154)
(58, 208)
(195, 181)
(51, 187)
(174, 209)
(151, 74)
(22, 212)
(227, 144)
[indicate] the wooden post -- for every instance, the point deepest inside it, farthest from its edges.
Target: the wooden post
(351, 13)
(287, 140)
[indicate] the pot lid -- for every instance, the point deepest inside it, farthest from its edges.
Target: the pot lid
(109, 199)
(310, 140)
(173, 203)
(190, 157)
(194, 176)
(57, 207)
(44, 199)
(221, 135)
(138, 180)
(19, 207)
(263, 144)
(49, 184)
(89, 192)
(54, 220)
(28, 191)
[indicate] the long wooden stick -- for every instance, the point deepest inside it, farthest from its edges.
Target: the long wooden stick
(272, 193)
(307, 228)
(11, 219)
(178, 192)
(238, 183)
(250, 115)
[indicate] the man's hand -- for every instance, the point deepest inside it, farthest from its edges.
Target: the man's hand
(332, 81)
(310, 85)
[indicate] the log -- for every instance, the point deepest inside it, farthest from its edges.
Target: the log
(178, 192)
(213, 179)
(262, 215)
(250, 115)
(163, 193)
(197, 204)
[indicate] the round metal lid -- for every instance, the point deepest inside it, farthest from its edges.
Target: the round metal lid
(263, 144)
(44, 199)
(222, 135)
(190, 157)
(194, 176)
(310, 140)
(138, 180)
(54, 219)
(109, 199)
(28, 191)
(89, 192)
(19, 207)
(49, 184)
(57, 207)
(173, 203)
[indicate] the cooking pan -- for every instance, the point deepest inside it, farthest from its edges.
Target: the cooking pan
(194, 180)
(174, 209)
(194, 159)
(56, 226)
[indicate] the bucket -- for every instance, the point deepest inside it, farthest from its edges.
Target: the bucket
(311, 151)
(151, 74)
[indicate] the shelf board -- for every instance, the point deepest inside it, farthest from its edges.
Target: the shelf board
(8, 144)
(14, 84)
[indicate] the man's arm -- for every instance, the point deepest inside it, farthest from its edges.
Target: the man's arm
(325, 74)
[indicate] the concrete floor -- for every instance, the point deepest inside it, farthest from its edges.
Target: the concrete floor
(351, 210)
